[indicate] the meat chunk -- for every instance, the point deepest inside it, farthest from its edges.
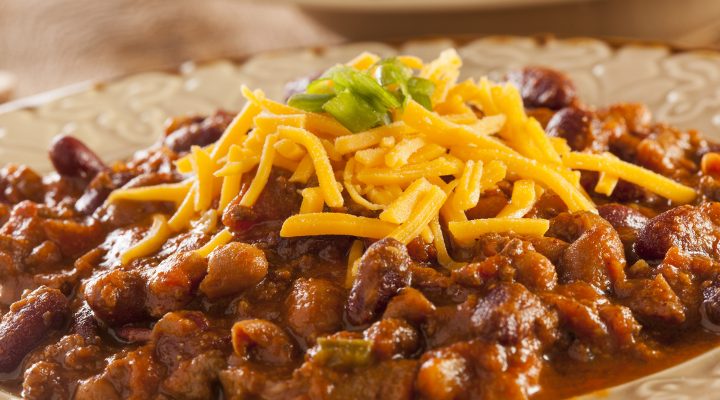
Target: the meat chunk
(596, 254)
(510, 314)
(72, 237)
(409, 304)
(278, 200)
(392, 338)
(314, 308)
(117, 297)
(710, 308)
(692, 229)
(385, 380)
(233, 268)
(543, 87)
(598, 327)
(666, 150)
(172, 283)
(44, 380)
(18, 183)
(477, 369)
(28, 322)
(383, 271)
(653, 301)
(262, 341)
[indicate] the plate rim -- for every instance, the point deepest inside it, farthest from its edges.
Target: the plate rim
(32, 102)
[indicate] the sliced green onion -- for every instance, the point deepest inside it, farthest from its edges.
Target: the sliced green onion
(321, 86)
(365, 86)
(353, 111)
(421, 90)
(309, 102)
(342, 353)
(390, 71)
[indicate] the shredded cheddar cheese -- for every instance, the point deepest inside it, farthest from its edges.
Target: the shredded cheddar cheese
(522, 200)
(174, 192)
(640, 176)
(422, 167)
(466, 231)
(312, 202)
(335, 224)
(220, 239)
(153, 240)
(356, 251)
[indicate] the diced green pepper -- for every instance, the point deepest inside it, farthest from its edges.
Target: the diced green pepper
(353, 111)
(343, 353)
(309, 102)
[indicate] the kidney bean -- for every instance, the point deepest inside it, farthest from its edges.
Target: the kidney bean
(72, 157)
(83, 323)
(197, 132)
(28, 322)
(383, 271)
(690, 228)
(543, 87)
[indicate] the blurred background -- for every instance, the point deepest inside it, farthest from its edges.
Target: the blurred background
(46, 44)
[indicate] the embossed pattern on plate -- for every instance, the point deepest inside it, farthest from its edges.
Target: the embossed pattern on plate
(123, 116)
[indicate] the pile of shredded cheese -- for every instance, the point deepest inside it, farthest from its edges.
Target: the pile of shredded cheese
(420, 173)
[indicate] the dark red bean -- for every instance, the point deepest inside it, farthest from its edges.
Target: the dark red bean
(28, 322)
(132, 334)
(710, 308)
(691, 229)
(621, 216)
(573, 125)
(72, 157)
(196, 132)
(383, 271)
(83, 323)
(543, 87)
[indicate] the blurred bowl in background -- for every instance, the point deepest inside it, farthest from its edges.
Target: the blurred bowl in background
(420, 5)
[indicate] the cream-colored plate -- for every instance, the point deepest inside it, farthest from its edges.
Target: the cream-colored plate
(419, 5)
(118, 118)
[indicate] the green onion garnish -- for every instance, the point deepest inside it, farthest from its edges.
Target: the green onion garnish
(363, 100)
(309, 102)
(353, 111)
(421, 90)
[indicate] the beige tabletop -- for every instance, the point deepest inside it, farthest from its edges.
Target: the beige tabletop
(48, 44)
